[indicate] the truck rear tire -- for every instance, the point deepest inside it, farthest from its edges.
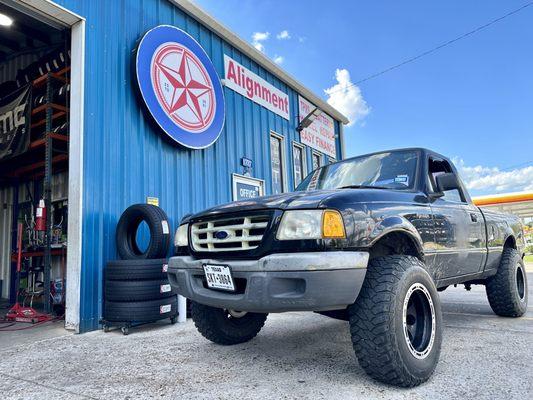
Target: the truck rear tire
(396, 322)
(226, 327)
(507, 290)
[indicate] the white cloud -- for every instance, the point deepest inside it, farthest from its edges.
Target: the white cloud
(279, 59)
(492, 179)
(258, 38)
(347, 98)
(283, 35)
(302, 39)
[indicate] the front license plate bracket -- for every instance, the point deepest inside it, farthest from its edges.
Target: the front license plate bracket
(219, 277)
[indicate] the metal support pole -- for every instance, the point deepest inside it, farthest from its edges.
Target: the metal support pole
(13, 287)
(48, 196)
(182, 308)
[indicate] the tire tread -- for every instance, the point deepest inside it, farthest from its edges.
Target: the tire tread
(500, 287)
(207, 322)
(372, 319)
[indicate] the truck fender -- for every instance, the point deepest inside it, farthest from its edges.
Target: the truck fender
(397, 224)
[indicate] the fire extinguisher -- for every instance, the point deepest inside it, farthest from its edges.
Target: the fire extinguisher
(40, 217)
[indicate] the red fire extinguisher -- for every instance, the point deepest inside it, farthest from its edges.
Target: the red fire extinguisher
(40, 217)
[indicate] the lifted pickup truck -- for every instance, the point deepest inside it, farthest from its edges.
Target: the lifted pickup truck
(369, 239)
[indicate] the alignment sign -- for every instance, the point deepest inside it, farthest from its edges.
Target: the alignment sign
(255, 88)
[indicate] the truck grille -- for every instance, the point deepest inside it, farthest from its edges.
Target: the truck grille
(229, 234)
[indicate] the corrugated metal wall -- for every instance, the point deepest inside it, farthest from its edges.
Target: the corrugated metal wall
(126, 159)
(9, 69)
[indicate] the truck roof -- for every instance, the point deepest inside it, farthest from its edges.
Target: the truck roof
(423, 150)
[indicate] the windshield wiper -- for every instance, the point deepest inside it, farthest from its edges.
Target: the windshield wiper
(362, 187)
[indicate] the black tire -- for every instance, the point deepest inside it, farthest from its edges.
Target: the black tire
(219, 326)
(136, 269)
(397, 289)
(507, 290)
(138, 290)
(140, 311)
(128, 224)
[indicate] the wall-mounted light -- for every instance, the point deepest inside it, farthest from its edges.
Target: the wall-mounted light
(5, 20)
(308, 120)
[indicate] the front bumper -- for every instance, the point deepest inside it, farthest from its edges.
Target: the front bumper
(315, 281)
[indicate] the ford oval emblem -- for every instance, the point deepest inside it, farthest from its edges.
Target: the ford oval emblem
(221, 235)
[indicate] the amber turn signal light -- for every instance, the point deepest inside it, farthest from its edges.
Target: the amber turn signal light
(332, 225)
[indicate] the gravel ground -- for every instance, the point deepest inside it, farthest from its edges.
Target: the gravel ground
(296, 355)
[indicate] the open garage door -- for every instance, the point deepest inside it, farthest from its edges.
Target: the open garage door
(40, 161)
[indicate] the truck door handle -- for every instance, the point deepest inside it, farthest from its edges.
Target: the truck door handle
(473, 217)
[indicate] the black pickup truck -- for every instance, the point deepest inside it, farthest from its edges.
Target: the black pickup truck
(371, 240)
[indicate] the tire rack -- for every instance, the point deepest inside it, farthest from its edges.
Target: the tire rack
(40, 169)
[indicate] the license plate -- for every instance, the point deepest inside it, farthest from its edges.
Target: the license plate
(219, 277)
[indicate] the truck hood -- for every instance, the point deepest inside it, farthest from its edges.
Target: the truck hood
(284, 201)
(338, 199)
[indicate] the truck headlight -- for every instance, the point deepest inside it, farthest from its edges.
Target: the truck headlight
(311, 224)
(182, 238)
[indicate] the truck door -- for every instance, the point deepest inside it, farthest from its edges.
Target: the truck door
(477, 238)
(457, 233)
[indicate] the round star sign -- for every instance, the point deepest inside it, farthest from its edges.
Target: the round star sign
(180, 86)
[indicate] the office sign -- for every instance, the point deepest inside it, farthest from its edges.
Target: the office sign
(246, 188)
(255, 88)
(320, 135)
(180, 86)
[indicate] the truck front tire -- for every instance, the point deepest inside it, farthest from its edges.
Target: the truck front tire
(226, 327)
(507, 290)
(396, 322)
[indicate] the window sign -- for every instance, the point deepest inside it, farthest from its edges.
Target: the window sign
(299, 169)
(245, 187)
(320, 135)
(276, 154)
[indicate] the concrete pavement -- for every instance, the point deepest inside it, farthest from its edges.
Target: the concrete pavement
(296, 355)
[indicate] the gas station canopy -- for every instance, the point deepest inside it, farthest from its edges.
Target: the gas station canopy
(518, 203)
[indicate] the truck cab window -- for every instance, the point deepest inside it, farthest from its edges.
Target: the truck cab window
(437, 167)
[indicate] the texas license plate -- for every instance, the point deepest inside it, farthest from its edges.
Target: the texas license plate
(219, 277)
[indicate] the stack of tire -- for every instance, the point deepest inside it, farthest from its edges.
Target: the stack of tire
(136, 288)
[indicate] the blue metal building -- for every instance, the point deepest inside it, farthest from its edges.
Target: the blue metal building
(119, 157)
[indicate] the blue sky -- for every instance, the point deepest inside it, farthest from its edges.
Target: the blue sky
(472, 101)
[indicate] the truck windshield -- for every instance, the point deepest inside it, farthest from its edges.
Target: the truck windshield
(390, 170)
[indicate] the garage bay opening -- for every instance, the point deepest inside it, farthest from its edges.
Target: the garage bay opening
(34, 153)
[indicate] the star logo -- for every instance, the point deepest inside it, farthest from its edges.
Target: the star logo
(183, 87)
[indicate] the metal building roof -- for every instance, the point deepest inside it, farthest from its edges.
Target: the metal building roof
(210, 22)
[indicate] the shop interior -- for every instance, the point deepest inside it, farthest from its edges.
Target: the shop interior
(34, 153)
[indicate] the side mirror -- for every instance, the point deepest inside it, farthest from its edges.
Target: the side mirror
(447, 181)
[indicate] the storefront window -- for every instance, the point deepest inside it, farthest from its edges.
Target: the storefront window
(299, 166)
(316, 161)
(276, 154)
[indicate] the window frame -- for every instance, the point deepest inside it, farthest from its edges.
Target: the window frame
(320, 161)
(303, 160)
(283, 158)
(433, 184)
